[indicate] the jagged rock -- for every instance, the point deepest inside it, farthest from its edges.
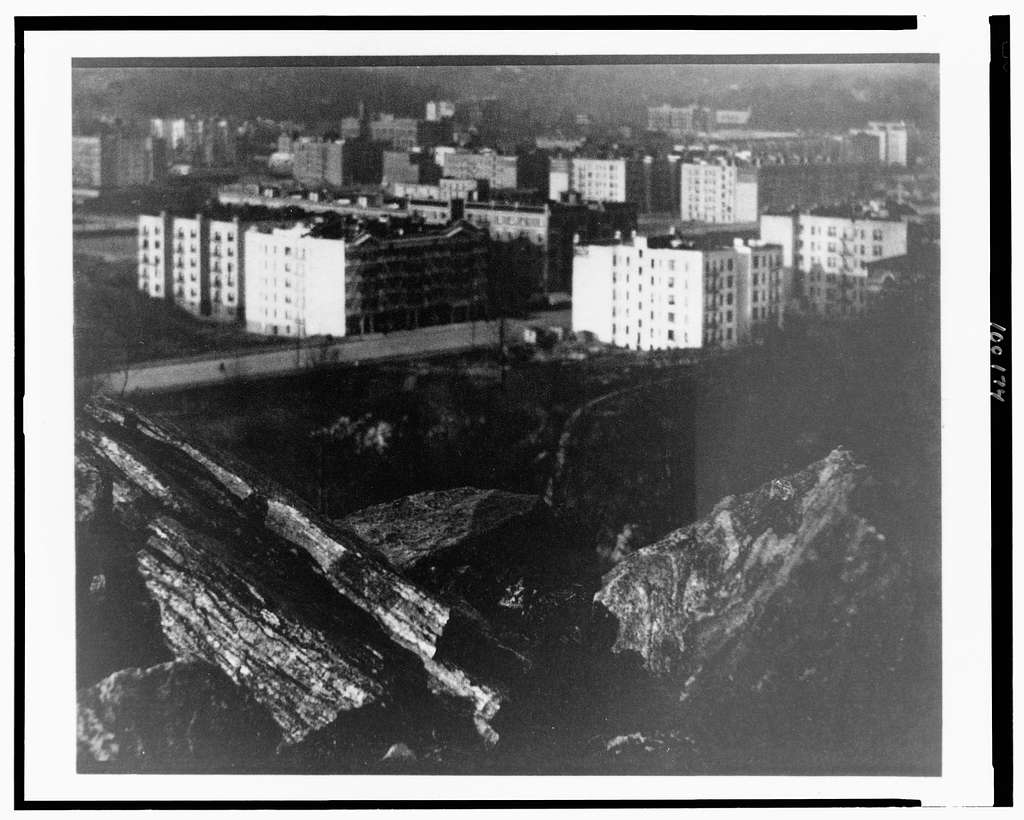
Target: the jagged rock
(182, 714)
(428, 526)
(229, 548)
(772, 589)
(399, 753)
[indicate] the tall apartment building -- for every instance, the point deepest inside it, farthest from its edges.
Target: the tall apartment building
(399, 132)
(155, 263)
(190, 263)
(115, 160)
(195, 262)
(662, 293)
(317, 162)
(439, 110)
(717, 192)
(87, 161)
(892, 138)
(668, 119)
(559, 177)
(295, 282)
(408, 280)
(499, 170)
(599, 180)
(226, 269)
(829, 251)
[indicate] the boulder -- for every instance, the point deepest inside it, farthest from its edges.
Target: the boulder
(181, 715)
(429, 527)
(775, 589)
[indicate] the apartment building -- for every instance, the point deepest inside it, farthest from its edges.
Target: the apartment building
(155, 263)
(559, 177)
(499, 170)
(663, 293)
(401, 133)
(226, 269)
(508, 221)
(829, 251)
(599, 180)
(295, 282)
(115, 160)
(190, 263)
(668, 119)
(444, 189)
(439, 110)
(892, 141)
(318, 162)
(717, 192)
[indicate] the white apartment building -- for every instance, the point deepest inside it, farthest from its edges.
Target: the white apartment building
(295, 282)
(831, 250)
(892, 141)
(439, 110)
(717, 192)
(189, 261)
(599, 180)
(227, 271)
(154, 270)
(559, 177)
(662, 293)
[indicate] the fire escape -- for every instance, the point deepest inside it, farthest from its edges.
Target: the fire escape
(845, 285)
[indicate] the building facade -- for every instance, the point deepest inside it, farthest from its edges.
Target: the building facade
(668, 119)
(318, 162)
(661, 293)
(892, 141)
(439, 110)
(295, 282)
(599, 180)
(499, 170)
(717, 192)
(399, 132)
(829, 252)
(115, 161)
(155, 263)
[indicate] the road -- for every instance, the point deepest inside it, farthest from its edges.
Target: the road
(211, 369)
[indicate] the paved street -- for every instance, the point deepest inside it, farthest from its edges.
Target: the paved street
(196, 371)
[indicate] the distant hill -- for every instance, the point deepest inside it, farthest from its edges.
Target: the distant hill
(782, 97)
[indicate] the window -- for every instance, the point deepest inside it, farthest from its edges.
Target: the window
(671, 298)
(671, 281)
(728, 316)
(878, 250)
(671, 335)
(672, 317)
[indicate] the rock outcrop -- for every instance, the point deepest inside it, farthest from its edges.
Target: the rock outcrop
(429, 527)
(307, 617)
(178, 715)
(772, 589)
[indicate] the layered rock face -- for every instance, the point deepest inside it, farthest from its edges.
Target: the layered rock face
(356, 645)
(771, 589)
(303, 614)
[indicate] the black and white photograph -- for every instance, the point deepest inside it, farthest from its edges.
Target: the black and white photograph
(473, 415)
